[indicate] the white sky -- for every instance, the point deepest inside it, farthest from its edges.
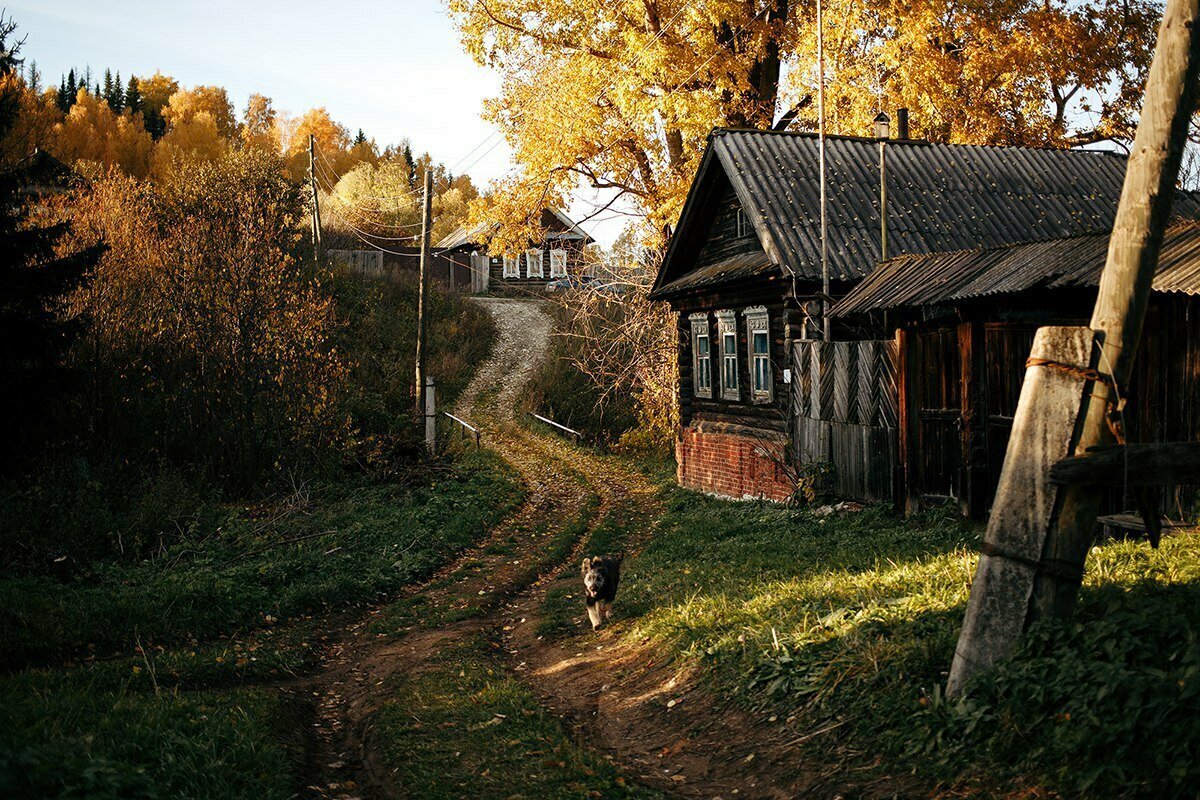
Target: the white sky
(394, 69)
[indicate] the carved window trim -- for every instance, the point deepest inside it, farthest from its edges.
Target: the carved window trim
(730, 375)
(762, 377)
(701, 362)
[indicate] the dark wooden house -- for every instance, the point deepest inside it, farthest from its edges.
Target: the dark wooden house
(760, 393)
(965, 323)
(560, 254)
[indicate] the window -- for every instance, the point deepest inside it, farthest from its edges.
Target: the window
(558, 263)
(533, 264)
(701, 356)
(727, 328)
(512, 266)
(743, 225)
(758, 338)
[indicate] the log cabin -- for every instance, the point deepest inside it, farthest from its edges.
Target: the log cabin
(560, 254)
(762, 397)
(964, 324)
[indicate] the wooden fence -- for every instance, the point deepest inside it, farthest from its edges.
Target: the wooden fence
(844, 413)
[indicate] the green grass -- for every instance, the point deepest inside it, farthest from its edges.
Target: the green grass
(851, 621)
(367, 540)
(466, 727)
(83, 733)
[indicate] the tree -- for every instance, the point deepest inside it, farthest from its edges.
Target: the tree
(156, 92)
(133, 95)
(333, 141)
(34, 283)
(187, 144)
(185, 104)
(258, 124)
(93, 132)
(621, 95)
(34, 78)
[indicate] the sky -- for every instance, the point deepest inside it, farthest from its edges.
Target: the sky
(395, 69)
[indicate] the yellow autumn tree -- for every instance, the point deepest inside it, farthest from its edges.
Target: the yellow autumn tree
(258, 124)
(620, 95)
(195, 141)
(332, 140)
(92, 132)
(186, 104)
(33, 126)
(156, 91)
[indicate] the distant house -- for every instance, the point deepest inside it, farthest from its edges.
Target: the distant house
(559, 254)
(760, 394)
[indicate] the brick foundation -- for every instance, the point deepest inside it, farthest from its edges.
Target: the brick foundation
(731, 464)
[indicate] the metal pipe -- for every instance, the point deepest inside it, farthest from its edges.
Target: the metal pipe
(826, 323)
(555, 424)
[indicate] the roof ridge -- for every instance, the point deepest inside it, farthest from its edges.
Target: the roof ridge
(911, 142)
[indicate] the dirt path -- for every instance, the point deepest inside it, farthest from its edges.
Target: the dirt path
(610, 694)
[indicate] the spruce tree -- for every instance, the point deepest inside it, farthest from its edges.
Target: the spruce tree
(72, 89)
(108, 84)
(408, 162)
(133, 95)
(34, 78)
(361, 138)
(61, 100)
(34, 279)
(117, 101)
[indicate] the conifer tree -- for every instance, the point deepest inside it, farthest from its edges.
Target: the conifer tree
(108, 84)
(34, 78)
(72, 89)
(34, 280)
(361, 138)
(408, 162)
(62, 99)
(117, 101)
(133, 95)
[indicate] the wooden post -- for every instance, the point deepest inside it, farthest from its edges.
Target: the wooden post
(430, 416)
(1133, 249)
(316, 202)
(1038, 536)
(422, 290)
(1016, 533)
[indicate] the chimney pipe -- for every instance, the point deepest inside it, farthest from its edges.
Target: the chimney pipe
(901, 123)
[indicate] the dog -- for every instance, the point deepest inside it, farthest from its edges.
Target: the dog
(601, 575)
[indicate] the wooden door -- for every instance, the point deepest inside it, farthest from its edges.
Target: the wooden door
(1006, 347)
(937, 379)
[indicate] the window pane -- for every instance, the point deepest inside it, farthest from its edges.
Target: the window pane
(760, 342)
(702, 346)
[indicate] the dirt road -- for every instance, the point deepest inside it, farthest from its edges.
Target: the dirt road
(609, 694)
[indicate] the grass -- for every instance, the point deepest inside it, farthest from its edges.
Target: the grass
(466, 727)
(84, 733)
(362, 541)
(851, 621)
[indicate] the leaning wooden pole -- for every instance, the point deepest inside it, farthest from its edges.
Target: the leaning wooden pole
(422, 291)
(1032, 558)
(316, 198)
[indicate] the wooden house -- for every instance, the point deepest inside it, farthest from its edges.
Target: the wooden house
(559, 254)
(964, 323)
(760, 394)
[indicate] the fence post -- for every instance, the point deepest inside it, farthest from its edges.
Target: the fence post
(430, 417)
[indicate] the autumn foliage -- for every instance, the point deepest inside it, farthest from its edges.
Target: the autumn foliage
(209, 343)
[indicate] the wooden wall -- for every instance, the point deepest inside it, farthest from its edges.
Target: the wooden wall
(844, 413)
(721, 240)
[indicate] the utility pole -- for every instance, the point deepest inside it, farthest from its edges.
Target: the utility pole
(316, 202)
(1038, 536)
(422, 290)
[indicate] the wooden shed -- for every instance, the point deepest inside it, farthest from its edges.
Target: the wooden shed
(964, 323)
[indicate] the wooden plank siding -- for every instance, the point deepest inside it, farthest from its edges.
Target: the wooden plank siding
(844, 403)
(722, 240)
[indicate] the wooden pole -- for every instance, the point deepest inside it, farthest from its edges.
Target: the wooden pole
(1120, 311)
(316, 202)
(1038, 536)
(422, 291)
(430, 416)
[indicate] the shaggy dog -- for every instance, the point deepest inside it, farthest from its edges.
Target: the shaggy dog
(601, 574)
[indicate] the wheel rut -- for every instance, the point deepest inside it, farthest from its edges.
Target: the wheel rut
(609, 692)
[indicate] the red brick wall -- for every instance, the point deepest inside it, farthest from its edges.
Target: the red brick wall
(730, 465)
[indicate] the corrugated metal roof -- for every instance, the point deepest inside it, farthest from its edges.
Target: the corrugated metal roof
(481, 233)
(736, 267)
(916, 280)
(941, 197)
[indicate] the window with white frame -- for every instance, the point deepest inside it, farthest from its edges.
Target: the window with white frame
(743, 225)
(512, 266)
(558, 263)
(533, 264)
(758, 341)
(701, 356)
(727, 330)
